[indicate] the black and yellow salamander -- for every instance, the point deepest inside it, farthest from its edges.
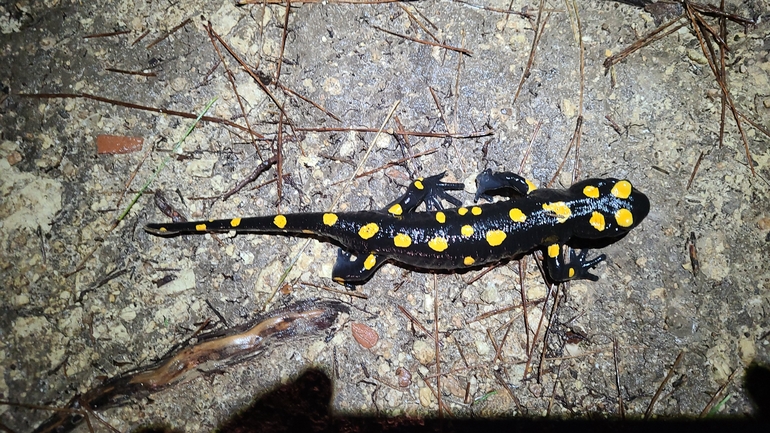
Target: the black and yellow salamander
(462, 237)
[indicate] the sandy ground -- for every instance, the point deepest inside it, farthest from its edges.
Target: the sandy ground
(81, 302)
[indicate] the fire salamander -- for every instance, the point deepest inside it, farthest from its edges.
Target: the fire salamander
(464, 236)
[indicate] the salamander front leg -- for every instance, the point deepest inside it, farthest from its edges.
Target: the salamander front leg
(577, 268)
(349, 270)
(429, 190)
(488, 181)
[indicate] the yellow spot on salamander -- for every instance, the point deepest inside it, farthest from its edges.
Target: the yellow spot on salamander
(418, 184)
(591, 191)
(330, 219)
(624, 217)
(622, 189)
(476, 210)
(467, 231)
(162, 230)
(440, 217)
(531, 186)
(597, 221)
(571, 272)
(438, 244)
(339, 279)
(200, 227)
(469, 261)
(560, 209)
(396, 209)
(553, 251)
(368, 230)
(401, 240)
(462, 211)
(279, 221)
(370, 262)
(235, 222)
(517, 215)
(495, 237)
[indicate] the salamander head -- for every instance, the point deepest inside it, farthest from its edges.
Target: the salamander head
(612, 207)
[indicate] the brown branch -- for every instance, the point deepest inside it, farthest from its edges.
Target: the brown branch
(723, 73)
(539, 30)
(168, 33)
(505, 309)
(522, 267)
(140, 37)
(252, 73)
(231, 79)
(575, 140)
(261, 168)
(621, 410)
(416, 21)
(497, 347)
(139, 107)
(391, 164)
(423, 41)
(648, 412)
(537, 332)
(478, 134)
(547, 332)
(308, 100)
(437, 347)
(417, 323)
(339, 2)
(643, 42)
(496, 10)
(123, 71)
(717, 394)
(722, 85)
(106, 35)
(283, 40)
(695, 170)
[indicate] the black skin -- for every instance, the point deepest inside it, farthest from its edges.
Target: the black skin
(593, 211)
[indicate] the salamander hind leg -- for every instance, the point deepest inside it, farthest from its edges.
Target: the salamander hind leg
(349, 270)
(488, 181)
(429, 190)
(577, 268)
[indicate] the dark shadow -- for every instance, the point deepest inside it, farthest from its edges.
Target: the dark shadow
(303, 406)
(757, 385)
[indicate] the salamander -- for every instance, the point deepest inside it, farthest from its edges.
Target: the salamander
(461, 237)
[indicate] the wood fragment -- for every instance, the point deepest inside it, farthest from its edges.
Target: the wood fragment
(692, 248)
